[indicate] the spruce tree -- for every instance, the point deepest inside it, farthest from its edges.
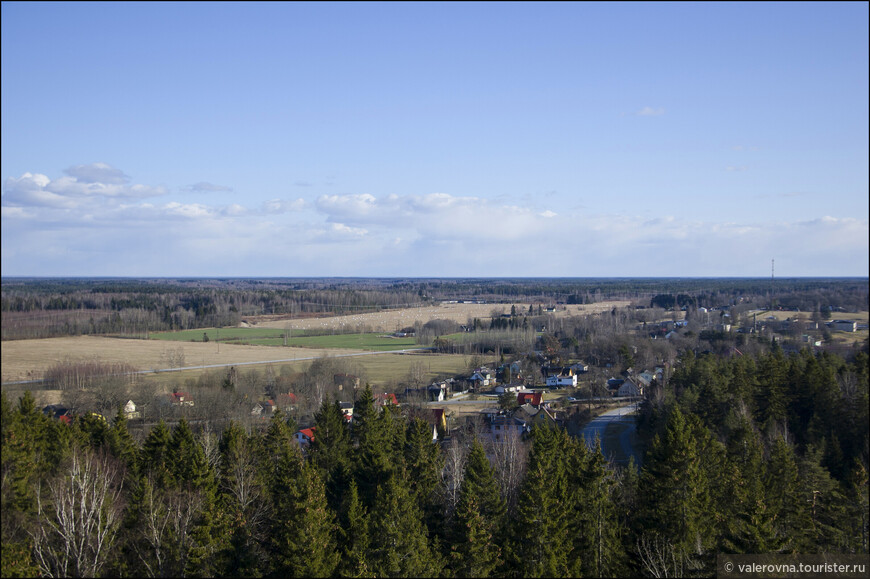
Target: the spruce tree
(540, 542)
(154, 456)
(475, 553)
(303, 537)
(354, 533)
(423, 462)
(676, 486)
(399, 545)
(330, 451)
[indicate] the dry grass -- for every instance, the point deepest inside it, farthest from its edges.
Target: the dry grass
(392, 320)
(29, 359)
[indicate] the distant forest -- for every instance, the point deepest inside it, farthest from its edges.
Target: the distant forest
(763, 454)
(49, 307)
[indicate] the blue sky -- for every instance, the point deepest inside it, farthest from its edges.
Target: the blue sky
(387, 139)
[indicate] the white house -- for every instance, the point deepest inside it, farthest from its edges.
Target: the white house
(130, 411)
(559, 381)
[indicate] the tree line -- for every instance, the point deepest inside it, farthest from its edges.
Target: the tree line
(743, 455)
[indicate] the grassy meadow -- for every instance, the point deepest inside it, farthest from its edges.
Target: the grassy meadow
(297, 339)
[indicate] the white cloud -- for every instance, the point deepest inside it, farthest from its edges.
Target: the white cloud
(97, 173)
(279, 206)
(650, 112)
(206, 187)
(74, 190)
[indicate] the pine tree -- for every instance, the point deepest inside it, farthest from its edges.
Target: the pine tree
(782, 491)
(374, 461)
(540, 543)
(399, 545)
(475, 553)
(354, 531)
(154, 456)
(598, 549)
(423, 462)
(304, 534)
(751, 528)
(676, 486)
(331, 450)
(122, 444)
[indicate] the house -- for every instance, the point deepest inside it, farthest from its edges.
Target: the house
(545, 417)
(843, 325)
(58, 412)
(286, 400)
(265, 408)
(561, 380)
(436, 392)
(505, 426)
(385, 399)
(615, 383)
(305, 436)
(480, 378)
(130, 411)
(181, 399)
(580, 368)
(502, 388)
(533, 398)
(629, 388)
(346, 410)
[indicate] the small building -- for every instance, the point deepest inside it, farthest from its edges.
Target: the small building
(130, 411)
(629, 388)
(58, 412)
(346, 410)
(843, 325)
(265, 408)
(181, 399)
(305, 436)
(559, 381)
(386, 398)
(436, 392)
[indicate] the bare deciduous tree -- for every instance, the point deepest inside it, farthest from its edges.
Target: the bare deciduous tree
(78, 520)
(167, 522)
(660, 558)
(453, 472)
(510, 458)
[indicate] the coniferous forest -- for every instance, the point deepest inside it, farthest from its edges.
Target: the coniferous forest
(764, 454)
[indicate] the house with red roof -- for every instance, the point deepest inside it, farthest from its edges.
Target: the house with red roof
(181, 399)
(386, 398)
(305, 436)
(532, 398)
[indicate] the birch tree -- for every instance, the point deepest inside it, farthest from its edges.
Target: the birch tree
(78, 520)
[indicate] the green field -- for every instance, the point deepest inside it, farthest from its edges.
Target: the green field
(275, 337)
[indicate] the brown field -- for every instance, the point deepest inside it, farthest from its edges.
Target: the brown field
(28, 359)
(392, 320)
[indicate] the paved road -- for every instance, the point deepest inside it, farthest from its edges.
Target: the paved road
(598, 425)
